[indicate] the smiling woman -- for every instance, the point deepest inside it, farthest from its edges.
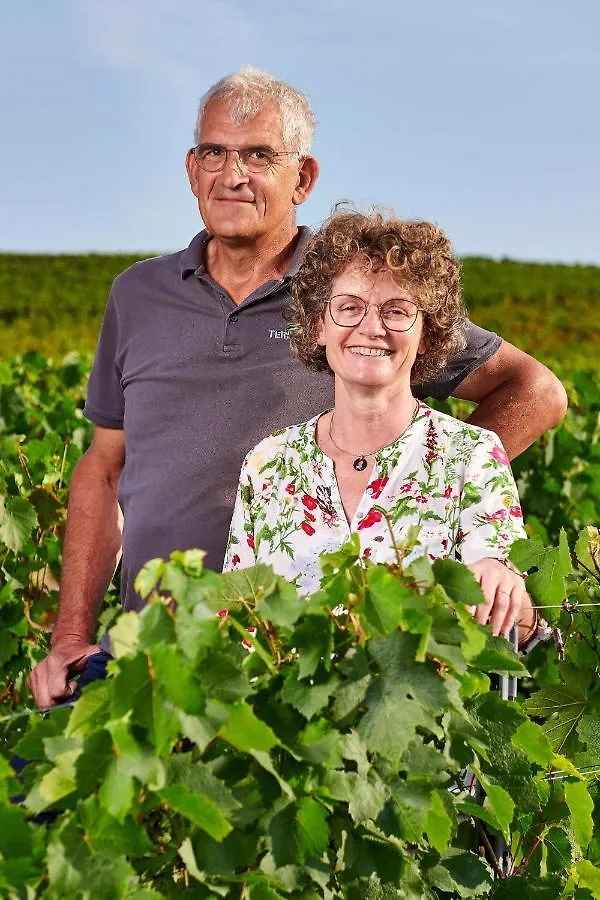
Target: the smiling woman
(377, 303)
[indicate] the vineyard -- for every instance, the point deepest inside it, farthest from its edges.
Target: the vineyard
(251, 744)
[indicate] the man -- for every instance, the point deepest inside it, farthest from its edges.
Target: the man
(193, 367)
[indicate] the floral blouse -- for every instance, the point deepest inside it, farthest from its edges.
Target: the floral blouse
(451, 479)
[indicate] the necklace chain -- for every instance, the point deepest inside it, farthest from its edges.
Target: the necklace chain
(360, 462)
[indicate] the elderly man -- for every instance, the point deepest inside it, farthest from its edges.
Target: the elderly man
(193, 366)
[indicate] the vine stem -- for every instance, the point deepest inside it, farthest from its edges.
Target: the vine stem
(587, 568)
(490, 850)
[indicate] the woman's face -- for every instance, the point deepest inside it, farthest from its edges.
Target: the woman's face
(369, 354)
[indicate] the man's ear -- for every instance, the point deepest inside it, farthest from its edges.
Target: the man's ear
(308, 173)
(191, 167)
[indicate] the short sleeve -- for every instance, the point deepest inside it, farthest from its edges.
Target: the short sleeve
(240, 553)
(105, 403)
(490, 512)
(481, 345)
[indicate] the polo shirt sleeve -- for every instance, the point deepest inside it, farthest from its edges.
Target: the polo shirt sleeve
(105, 402)
(241, 552)
(490, 512)
(481, 345)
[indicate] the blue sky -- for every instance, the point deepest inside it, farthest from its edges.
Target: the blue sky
(482, 116)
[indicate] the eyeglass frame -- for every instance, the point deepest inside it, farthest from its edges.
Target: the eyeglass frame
(273, 154)
(378, 307)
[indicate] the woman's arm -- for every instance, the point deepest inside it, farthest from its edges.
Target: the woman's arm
(240, 553)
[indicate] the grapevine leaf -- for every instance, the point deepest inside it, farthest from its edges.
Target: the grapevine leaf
(561, 706)
(381, 612)
(245, 731)
(124, 635)
(438, 824)
(581, 807)
(298, 830)
(149, 576)
(559, 850)
(18, 518)
(589, 876)
(531, 738)
(307, 698)
(281, 606)
(547, 584)
(198, 808)
(313, 640)
(459, 582)
(404, 696)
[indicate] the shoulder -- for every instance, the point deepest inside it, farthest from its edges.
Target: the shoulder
(147, 271)
(277, 444)
(459, 432)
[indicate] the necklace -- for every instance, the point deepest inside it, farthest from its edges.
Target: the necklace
(360, 462)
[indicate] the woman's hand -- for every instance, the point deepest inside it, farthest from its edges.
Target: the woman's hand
(506, 600)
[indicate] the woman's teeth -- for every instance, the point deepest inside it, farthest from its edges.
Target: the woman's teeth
(369, 351)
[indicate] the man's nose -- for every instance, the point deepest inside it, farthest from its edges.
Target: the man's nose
(234, 171)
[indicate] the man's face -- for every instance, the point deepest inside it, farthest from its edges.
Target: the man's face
(239, 206)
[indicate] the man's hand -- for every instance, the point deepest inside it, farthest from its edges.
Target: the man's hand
(51, 680)
(516, 396)
(506, 600)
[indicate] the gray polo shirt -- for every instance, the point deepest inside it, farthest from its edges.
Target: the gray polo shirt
(195, 382)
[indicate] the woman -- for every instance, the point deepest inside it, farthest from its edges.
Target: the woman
(377, 302)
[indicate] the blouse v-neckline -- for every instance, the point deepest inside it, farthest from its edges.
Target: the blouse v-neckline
(366, 501)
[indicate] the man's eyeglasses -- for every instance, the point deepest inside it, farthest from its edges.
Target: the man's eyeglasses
(212, 157)
(396, 314)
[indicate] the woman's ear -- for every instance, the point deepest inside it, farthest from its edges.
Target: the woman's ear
(421, 348)
(321, 333)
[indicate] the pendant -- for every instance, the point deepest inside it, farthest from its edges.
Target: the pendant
(360, 464)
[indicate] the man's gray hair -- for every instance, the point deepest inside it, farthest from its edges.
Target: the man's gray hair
(249, 90)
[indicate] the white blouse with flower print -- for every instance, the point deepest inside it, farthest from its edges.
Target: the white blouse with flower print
(451, 479)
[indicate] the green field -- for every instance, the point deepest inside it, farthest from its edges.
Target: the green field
(54, 304)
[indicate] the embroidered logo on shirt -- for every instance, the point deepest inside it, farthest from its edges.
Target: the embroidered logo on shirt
(279, 335)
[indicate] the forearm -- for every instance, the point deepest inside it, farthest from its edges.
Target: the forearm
(517, 397)
(91, 552)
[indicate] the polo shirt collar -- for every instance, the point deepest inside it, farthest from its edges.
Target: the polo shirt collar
(192, 258)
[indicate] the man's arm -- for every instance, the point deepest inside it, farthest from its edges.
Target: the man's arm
(91, 552)
(516, 396)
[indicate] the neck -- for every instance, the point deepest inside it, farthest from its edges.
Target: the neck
(242, 267)
(364, 422)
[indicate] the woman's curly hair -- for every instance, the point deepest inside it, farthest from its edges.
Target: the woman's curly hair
(415, 253)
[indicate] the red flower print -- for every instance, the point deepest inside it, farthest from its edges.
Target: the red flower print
(223, 613)
(235, 560)
(421, 498)
(250, 541)
(371, 518)
(309, 502)
(516, 511)
(309, 516)
(498, 516)
(501, 456)
(445, 543)
(247, 644)
(429, 456)
(367, 552)
(431, 439)
(376, 487)
(307, 528)
(448, 491)
(406, 488)
(290, 488)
